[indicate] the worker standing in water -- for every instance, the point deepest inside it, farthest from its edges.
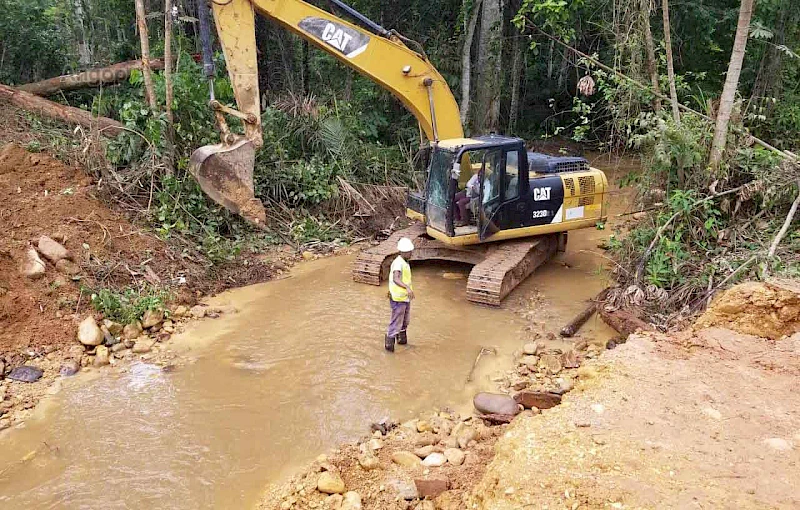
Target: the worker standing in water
(401, 294)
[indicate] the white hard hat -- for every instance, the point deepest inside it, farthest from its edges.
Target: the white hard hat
(405, 245)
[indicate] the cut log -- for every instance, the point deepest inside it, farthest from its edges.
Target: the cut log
(623, 322)
(51, 110)
(91, 78)
(575, 324)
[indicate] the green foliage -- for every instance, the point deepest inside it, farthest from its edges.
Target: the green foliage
(313, 229)
(129, 304)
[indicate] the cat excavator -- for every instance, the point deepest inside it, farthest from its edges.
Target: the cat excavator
(519, 205)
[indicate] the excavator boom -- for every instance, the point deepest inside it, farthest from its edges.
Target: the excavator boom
(225, 171)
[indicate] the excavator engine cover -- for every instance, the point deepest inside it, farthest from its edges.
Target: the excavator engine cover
(225, 173)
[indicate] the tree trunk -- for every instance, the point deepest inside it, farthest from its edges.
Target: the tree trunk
(51, 110)
(84, 48)
(487, 115)
(169, 158)
(141, 23)
(466, 62)
(652, 68)
(516, 72)
(673, 93)
(91, 78)
(731, 83)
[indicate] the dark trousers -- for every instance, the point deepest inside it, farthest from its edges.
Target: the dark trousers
(462, 201)
(401, 316)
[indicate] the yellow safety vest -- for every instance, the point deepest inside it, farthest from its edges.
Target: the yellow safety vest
(397, 292)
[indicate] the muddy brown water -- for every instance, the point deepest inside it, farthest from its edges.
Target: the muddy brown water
(298, 369)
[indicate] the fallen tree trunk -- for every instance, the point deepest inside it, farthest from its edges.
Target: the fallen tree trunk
(91, 78)
(51, 110)
(623, 322)
(575, 324)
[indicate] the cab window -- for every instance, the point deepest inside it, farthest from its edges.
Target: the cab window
(512, 175)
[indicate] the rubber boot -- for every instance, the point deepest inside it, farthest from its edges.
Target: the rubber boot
(402, 338)
(389, 343)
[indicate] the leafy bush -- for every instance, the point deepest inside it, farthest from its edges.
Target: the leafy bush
(129, 304)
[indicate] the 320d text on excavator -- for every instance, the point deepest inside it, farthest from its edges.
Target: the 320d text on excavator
(486, 200)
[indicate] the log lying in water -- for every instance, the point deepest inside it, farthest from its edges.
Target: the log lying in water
(51, 110)
(575, 324)
(623, 322)
(91, 78)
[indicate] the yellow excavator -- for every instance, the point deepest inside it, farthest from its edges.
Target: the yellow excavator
(486, 201)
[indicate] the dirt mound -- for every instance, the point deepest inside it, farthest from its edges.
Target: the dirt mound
(769, 310)
(42, 196)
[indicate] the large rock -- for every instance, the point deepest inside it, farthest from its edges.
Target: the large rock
(143, 345)
(52, 250)
(132, 330)
(89, 333)
(537, 399)
(115, 328)
(495, 403)
(330, 483)
(101, 357)
(351, 501)
(431, 487)
(455, 456)
(32, 266)
(405, 459)
(68, 267)
(434, 460)
(26, 374)
(152, 318)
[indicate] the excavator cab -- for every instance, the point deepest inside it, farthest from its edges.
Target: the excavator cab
(520, 193)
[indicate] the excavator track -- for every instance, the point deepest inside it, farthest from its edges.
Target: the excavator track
(372, 265)
(506, 265)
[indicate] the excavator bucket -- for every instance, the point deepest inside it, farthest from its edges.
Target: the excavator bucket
(225, 173)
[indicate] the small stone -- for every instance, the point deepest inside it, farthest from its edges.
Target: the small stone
(712, 413)
(129, 343)
(375, 444)
(582, 423)
(68, 267)
(119, 347)
(778, 444)
(351, 501)
(69, 367)
(115, 328)
(406, 490)
(450, 442)
(431, 487)
(537, 399)
(550, 363)
(152, 318)
(426, 438)
(565, 385)
(330, 483)
(89, 333)
(307, 255)
(132, 331)
(531, 362)
(405, 459)
(520, 384)
(52, 250)
(423, 426)
(466, 437)
(455, 456)
(101, 356)
(143, 346)
(598, 408)
(368, 461)
(32, 267)
(180, 311)
(434, 460)
(424, 451)
(198, 312)
(570, 359)
(108, 338)
(530, 348)
(333, 502)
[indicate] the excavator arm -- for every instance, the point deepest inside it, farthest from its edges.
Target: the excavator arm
(225, 171)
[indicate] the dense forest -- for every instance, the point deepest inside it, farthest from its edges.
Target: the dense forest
(707, 93)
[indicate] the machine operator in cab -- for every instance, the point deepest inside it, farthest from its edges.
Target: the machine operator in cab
(401, 294)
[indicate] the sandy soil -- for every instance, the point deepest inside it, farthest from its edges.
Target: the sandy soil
(694, 420)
